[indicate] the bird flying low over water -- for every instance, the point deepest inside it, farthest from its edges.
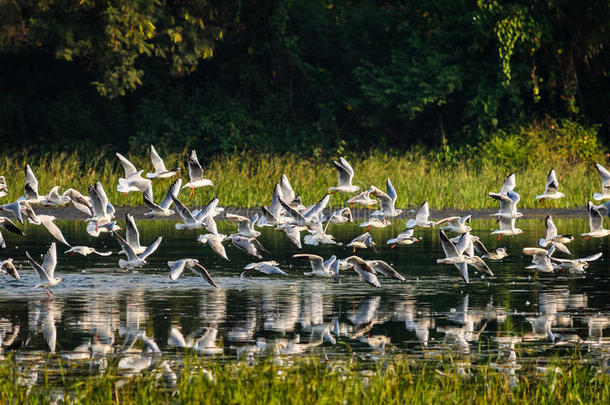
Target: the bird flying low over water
(177, 268)
(196, 178)
(162, 209)
(551, 237)
(596, 223)
(134, 260)
(345, 176)
(46, 272)
(551, 188)
(161, 171)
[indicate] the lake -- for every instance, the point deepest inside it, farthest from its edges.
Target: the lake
(514, 318)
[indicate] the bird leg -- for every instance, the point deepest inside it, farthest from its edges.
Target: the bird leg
(499, 237)
(394, 245)
(354, 251)
(48, 291)
(192, 192)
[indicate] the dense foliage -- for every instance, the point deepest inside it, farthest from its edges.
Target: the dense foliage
(300, 75)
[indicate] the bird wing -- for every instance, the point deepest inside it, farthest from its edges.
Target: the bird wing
(509, 184)
(176, 268)
(129, 168)
(184, 212)
(157, 162)
(151, 248)
(314, 212)
(448, 246)
(101, 193)
(344, 176)
(209, 210)
(551, 229)
(479, 247)
(422, 213)
(391, 191)
(294, 235)
(463, 268)
(54, 230)
(31, 183)
(287, 191)
(195, 170)
(132, 235)
(151, 205)
(551, 182)
(203, 273)
(317, 262)
(595, 218)
(385, 201)
(173, 191)
(604, 174)
(76, 196)
(591, 257)
(50, 260)
(131, 255)
(382, 267)
(7, 224)
(369, 278)
(42, 274)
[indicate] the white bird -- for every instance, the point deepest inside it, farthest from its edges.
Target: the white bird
(245, 226)
(456, 224)
(421, 218)
(376, 221)
(364, 241)
(551, 187)
(71, 195)
(177, 268)
(7, 267)
(364, 198)
(268, 267)
(386, 201)
(319, 267)
(136, 183)
(575, 265)
(364, 270)
(94, 229)
(86, 250)
(404, 238)
(551, 237)
(132, 235)
(506, 228)
(194, 221)
(541, 259)
(46, 272)
(605, 176)
(508, 204)
(134, 260)
(162, 209)
(454, 254)
(215, 242)
(250, 246)
(382, 267)
(345, 176)
(9, 226)
(340, 216)
(101, 209)
(161, 171)
(196, 178)
(128, 167)
(596, 223)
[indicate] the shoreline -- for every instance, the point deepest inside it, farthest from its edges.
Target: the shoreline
(71, 213)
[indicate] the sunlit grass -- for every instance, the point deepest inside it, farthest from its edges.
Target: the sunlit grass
(246, 180)
(308, 380)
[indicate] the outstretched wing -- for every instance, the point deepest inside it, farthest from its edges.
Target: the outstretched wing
(151, 248)
(129, 168)
(195, 170)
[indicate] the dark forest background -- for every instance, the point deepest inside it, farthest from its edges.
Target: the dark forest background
(297, 75)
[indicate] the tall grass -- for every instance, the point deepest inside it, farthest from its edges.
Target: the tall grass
(309, 380)
(446, 177)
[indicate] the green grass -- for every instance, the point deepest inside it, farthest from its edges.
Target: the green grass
(309, 380)
(247, 180)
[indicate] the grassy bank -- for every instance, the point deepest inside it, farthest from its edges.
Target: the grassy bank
(446, 177)
(310, 380)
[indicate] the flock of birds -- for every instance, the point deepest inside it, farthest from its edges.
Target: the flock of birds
(288, 214)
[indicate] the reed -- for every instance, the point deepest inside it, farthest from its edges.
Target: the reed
(243, 179)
